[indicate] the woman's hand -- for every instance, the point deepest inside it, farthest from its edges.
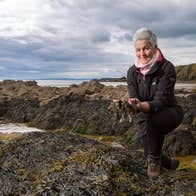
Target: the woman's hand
(132, 101)
(141, 106)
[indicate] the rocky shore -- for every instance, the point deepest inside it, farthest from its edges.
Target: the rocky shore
(64, 161)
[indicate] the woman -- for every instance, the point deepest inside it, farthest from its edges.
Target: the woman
(151, 83)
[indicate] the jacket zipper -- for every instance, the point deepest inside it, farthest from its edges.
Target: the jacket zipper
(144, 81)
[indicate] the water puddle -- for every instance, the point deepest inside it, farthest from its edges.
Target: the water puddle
(9, 128)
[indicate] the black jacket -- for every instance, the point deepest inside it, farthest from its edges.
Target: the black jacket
(157, 87)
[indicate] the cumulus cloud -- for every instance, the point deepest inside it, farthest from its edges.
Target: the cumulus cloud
(85, 38)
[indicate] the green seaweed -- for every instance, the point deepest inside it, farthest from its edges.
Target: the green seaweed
(187, 162)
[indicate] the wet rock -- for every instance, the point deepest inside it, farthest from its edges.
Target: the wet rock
(180, 143)
(11, 89)
(118, 92)
(19, 110)
(86, 88)
(80, 114)
(177, 143)
(186, 72)
(188, 104)
(86, 112)
(63, 163)
(3, 108)
(67, 164)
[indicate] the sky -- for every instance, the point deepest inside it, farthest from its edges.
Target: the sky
(42, 39)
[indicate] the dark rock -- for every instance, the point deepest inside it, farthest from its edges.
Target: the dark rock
(81, 114)
(67, 164)
(31, 83)
(85, 112)
(87, 88)
(180, 143)
(192, 97)
(3, 108)
(54, 163)
(188, 104)
(10, 90)
(186, 72)
(19, 110)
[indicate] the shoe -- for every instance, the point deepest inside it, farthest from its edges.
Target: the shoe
(154, 168)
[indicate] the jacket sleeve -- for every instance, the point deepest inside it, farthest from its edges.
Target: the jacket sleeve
(131, 85)
(165, 88)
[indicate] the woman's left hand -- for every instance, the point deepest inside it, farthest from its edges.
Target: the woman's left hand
(143, 106)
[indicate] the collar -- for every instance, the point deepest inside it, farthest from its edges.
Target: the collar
(156, 64)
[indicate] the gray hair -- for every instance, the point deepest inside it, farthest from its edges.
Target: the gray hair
(146, 34)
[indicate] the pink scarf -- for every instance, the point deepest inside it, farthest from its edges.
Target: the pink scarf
(145, 68)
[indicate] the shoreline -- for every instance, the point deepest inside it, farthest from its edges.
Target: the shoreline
(62, 84)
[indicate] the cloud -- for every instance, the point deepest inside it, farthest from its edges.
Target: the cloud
(40, 39)
(2, 68)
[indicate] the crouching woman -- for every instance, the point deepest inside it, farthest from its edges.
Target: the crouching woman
(151, 82)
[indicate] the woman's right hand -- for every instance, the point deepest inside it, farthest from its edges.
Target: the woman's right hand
(132, 101)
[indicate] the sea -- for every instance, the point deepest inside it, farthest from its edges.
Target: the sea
(67, 83)
(22, 128)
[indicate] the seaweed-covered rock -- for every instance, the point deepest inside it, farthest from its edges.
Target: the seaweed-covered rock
(67, 164)
(87, 88)
(20, 110)
(28, 90)
(80, 114)
(50, 163)
(180, 143)
(3, 108)
(27, 102)
(186, 72)
(188, 104)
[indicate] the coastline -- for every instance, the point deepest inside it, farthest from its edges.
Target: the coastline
(83, 142)
(60, 83)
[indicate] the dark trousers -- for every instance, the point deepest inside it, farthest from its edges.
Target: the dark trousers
(154, 127)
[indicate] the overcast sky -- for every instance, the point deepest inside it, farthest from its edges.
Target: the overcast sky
(89, 38)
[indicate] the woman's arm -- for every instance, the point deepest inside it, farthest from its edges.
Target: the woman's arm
(131, 85)
(165, 88)
(132, 93)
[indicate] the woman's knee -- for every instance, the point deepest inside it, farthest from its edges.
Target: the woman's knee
(167, 119)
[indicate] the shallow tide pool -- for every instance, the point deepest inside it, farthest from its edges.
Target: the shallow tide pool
(17, 128)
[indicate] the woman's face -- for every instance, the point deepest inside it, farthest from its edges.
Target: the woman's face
(144, 51)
